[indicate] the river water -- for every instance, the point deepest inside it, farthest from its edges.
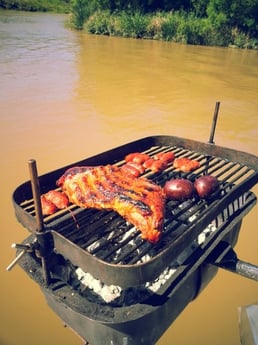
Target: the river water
(67, 95)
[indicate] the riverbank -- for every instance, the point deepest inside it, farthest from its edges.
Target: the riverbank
(57, 6)
(177, 26)
(180, 26)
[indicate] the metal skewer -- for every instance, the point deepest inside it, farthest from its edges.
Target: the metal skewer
(212, 133)
(36, 194)
(214, 123)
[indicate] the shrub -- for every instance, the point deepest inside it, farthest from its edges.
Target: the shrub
(154, 26)
(178, 26)
(191, 30)
(169, 26)
(134, 24)
(220, 37)
(242, 40)
(101, 23)
(80, 11)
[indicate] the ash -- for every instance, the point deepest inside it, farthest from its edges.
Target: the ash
(94, 289)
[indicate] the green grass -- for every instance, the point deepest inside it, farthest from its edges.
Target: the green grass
(61, 6)
(177, 26)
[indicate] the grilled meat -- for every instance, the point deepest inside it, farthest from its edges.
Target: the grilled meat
(186, 164)
(140, 201)
(142, 162)
(47, 206)
(137, 157)
(59, 199)
(53, 201)
(167, 157)
(133, 169)
(155, 165)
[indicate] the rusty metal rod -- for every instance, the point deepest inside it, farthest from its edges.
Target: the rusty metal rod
(214, 123)
(21, 246)
(14, 262)
(39, 216)
(36, 193)
(25, 248)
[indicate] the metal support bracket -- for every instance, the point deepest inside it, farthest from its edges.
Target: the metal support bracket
(225, 257)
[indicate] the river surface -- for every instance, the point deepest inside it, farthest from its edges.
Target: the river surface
(66, 95)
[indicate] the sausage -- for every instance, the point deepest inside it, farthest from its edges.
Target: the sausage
(167, 157)
(59, 199)
(137, 157)
(47, 206)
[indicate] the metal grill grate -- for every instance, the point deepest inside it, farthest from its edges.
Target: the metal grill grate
(100, 240)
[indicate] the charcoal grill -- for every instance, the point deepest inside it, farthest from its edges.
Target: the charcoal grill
(104, 245)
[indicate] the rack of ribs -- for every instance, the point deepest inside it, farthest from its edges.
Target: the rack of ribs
(138, 200)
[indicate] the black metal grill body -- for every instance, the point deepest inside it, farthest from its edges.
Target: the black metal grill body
(95, 240)
(102, 243)
(140, 323)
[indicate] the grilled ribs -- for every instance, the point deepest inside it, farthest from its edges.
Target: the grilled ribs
(140, 201)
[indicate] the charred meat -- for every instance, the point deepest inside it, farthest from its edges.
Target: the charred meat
(140, 201)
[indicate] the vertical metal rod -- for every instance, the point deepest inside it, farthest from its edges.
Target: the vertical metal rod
(214, 122)
(36, 193)
(39, 216)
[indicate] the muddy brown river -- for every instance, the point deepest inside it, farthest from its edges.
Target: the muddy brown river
(67, 95)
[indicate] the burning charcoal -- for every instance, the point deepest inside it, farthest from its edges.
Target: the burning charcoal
(107, 293)
(206, 233)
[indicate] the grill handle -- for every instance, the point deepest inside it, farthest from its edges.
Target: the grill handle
(24, 248)
(15, 261)
(214, 123)
(247, 270)
(225, 257)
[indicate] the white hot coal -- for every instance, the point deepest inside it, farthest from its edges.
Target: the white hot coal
(115, 294)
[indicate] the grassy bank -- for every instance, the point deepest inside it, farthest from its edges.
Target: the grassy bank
(58, 6)
(187, 27)
(177, 26)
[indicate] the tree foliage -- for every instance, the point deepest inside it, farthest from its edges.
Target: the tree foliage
(36, 5)
(241, 14)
